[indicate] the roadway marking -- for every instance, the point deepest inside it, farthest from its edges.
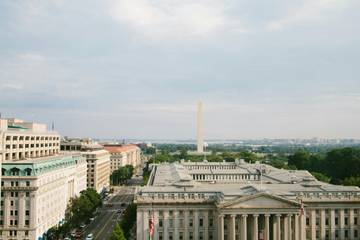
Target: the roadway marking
(107, 223)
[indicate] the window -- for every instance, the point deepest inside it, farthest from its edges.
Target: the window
(346, 233)
(27, 194)
(307, 221)
(27, 222)
(346, 220)
(28, 183)
(160, 223)
(201, 222)
(355, 220)
(27, 213)
(336, 221)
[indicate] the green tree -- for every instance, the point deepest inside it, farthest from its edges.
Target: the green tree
(321, 177)
(117, 233)
(352, 181)
(129, 219)
(301, 159)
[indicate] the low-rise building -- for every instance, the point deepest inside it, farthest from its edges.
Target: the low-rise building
(243, 201)
(122, 155)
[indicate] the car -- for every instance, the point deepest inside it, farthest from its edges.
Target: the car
(67, 238)
(90, 236)
(92, 219)
(119, 211)
(82, 225)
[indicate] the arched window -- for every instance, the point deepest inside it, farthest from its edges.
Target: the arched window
(3, 171)
(15, 172)
(28, 171)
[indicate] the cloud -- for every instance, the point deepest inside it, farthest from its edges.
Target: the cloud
(11, 86)
(171, 19)
(309, 12)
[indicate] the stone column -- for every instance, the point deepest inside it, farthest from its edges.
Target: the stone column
(278, 226)
(21, 209)
(176, 224)
(139, 225)
(206, 224)
(332, 224)
(232, 227)
(146, 224)
(313, 224)
(6, 209)
(286, 227)
(342, 224)
(303, 226)
(322, 224)
(186, 224)
(244, 227)
(274, 227)
(267, 227)
(33, 208)
(296, 227)
(256, 227)
(351, 223)
(156, 224)
(166, 224)
(221, 227)
(196, 224)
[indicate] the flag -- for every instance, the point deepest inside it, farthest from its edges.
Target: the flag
(151, 226)
(301, 208)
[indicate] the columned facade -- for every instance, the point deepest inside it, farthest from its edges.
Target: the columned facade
(187, 206)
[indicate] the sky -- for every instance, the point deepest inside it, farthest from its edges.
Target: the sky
(137, 68)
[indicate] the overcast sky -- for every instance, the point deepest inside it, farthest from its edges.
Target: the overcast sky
(137, 68)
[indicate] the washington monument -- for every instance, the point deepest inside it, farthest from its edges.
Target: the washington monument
(200, 131)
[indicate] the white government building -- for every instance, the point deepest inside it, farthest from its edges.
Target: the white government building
(229, 201)
(36, 180)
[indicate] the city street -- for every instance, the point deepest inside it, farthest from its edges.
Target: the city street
(103, 224)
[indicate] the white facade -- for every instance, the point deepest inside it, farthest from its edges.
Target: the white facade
(36, 181)
(23, 140)
(230, 201)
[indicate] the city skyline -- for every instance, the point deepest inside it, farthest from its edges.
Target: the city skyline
(282, 69)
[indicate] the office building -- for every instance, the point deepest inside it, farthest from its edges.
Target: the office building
(230, 201)
(122, 155)
(98, 161)
(37, 181)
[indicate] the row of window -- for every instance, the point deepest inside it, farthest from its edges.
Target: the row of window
(16, 184)
(337, 234)
(13, 233)
(16, 146)
(31, 138)
(190, 235)
(327, 221)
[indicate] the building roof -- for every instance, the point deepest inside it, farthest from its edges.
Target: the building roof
(121, 148)
(177, 178)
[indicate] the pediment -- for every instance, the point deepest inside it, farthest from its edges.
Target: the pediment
(259, 201)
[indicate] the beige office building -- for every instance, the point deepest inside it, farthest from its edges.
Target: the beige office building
(24, 140)
(122, 155)
(98, 171)
(36, 181)
(98, 161)
(241, 201)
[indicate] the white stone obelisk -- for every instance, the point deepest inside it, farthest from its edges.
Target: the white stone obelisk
(200, 130)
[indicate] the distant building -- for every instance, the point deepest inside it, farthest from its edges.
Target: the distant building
(98, 161)
(36, 180)
(122, 155)
(243, 201)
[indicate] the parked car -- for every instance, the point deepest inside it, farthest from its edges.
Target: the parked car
(90, 236)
